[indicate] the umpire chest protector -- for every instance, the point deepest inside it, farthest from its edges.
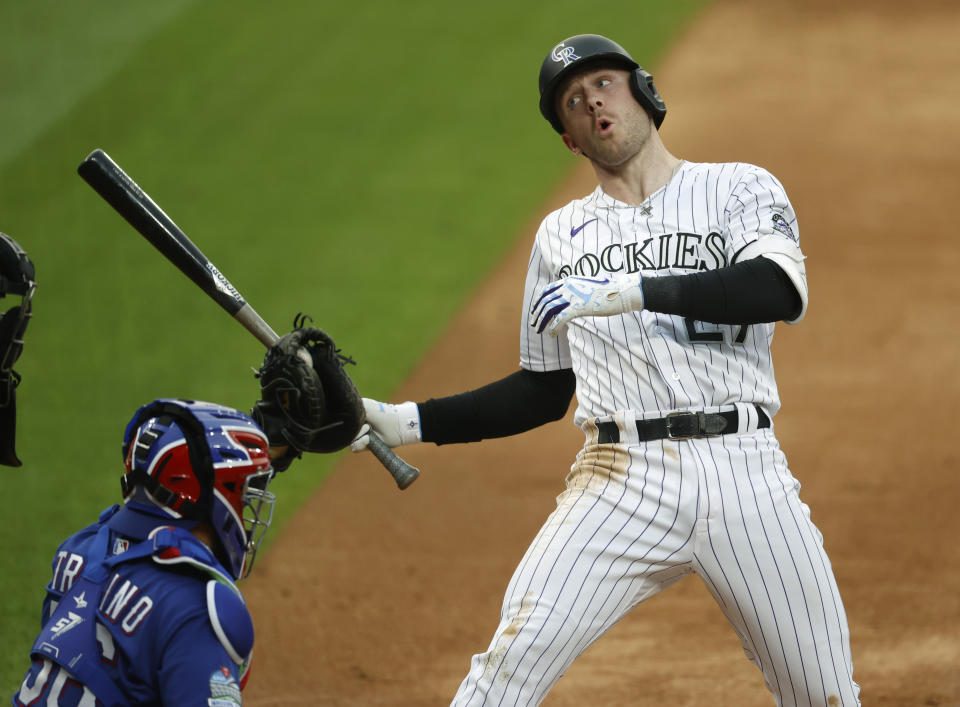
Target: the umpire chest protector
(578, 53)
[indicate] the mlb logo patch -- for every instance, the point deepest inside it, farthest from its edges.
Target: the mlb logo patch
(224, 690)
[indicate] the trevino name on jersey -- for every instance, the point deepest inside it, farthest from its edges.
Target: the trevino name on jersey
(707, 216)
(161, 623)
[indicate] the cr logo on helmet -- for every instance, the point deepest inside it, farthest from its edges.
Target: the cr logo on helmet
(564, 54)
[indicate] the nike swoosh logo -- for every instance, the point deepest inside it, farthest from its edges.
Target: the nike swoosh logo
(575, 231)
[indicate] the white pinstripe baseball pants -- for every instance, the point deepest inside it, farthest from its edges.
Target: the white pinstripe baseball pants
(637, 517)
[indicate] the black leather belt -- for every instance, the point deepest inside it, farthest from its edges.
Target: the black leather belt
(681, 425)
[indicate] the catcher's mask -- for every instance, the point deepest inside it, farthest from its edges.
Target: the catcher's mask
(579, 52)
(200, 461)
(17, 278)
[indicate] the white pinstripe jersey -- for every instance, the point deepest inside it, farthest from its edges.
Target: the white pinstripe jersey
(707, 216)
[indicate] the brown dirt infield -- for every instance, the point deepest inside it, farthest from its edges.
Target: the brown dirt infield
(377, 597)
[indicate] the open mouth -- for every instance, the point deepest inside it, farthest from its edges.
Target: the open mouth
(604, 125)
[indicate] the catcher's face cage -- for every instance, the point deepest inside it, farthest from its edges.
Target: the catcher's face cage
(257, 516)
(204, 462)
(576, 54)
(242, 508)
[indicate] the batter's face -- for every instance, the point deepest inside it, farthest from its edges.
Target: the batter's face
(602, 118)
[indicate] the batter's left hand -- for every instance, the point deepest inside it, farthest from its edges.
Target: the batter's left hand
(394, 424)
(563, 300)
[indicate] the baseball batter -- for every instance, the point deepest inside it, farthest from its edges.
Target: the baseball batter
(654, 299)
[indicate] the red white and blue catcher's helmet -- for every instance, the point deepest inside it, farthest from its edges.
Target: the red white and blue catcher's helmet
(199, 461)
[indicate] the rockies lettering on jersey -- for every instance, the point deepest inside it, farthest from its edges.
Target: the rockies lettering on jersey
(670, 251)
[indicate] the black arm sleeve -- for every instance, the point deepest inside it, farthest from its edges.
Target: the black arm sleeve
(517, 403)
(754, 291)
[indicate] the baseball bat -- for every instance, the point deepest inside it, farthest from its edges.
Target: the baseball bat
(130, 201)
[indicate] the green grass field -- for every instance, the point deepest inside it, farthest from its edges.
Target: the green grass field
(365, 163)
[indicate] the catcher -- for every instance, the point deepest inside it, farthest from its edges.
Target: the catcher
(142, 606)
(154, 580)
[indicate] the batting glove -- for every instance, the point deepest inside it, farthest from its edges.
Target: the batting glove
(394, 424)
(563, 300)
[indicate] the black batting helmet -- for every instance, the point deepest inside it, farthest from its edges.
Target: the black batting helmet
(577, 52)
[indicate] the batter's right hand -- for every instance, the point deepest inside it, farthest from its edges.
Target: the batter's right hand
(571, 297)
(394, 424)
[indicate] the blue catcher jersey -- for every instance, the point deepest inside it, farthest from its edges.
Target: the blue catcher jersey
(152, 621)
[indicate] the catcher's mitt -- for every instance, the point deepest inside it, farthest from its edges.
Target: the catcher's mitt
(311, 406)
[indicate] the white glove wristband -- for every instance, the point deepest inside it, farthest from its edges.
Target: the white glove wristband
(631, 293)
(408, 422)
(394, 424)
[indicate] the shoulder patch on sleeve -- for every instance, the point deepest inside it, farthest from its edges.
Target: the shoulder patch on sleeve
(231, 621)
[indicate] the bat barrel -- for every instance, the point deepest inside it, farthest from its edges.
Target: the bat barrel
(127, 198)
